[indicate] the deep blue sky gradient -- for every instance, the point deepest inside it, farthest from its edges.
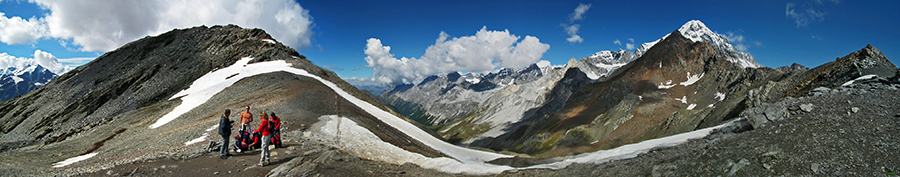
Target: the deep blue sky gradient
(409, 27)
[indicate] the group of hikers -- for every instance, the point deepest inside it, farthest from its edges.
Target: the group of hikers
(269, 133)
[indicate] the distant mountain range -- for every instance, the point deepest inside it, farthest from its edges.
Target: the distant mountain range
(18, 81)
(689, 79)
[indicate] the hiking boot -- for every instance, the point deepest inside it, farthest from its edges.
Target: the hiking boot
(260, 165)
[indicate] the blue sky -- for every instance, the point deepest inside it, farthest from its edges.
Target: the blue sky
(776, 33)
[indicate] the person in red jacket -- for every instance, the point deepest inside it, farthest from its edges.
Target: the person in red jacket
(276, 130)
(266, 138)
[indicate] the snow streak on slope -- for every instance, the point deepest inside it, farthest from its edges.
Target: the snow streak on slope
(363, 143)
(73, 160)
(205, 87)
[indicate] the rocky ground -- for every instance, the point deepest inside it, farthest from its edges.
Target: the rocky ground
(835, 132)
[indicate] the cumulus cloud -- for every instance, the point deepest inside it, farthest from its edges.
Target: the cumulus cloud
(100, 25)
(41, 58)
(482, 52)
(571, 28)
(803, 18)
(16, 30)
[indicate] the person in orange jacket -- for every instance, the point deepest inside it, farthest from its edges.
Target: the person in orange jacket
(246, 118)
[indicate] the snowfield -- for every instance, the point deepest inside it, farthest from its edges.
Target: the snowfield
(363, 143)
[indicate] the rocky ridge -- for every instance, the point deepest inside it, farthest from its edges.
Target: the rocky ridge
(106, 107)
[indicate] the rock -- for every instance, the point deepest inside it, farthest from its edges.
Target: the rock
(306, 134)
(815, 167)
(215, 173)
(289, 152)
(764, 113)
(854, 109)
(808, 107)
(767, 166)
(273, 153)
(663, 170)
(283, 169)
(292, 148)
(737, 167)
(310, 152)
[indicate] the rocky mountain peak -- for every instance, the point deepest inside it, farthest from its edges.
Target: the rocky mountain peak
(792, 68)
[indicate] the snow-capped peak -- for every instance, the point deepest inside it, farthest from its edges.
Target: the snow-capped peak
(697, 31)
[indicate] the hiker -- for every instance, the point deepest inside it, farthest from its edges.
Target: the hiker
(246, 118)
(266, 138)
(225, 130)
(276, 130)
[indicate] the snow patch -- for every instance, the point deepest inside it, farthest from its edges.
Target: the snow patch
(683, 99)
(711, 105)
(270, 41)
(17, 79)
(38, 84)
(691, 107)
(870, 76)
(720, 96)
(208, 85)
(692, 79)
(73, 160)
(667, 85)
(213, 127)
(363, 143)
(197, 140)
(631, 150)
(473, 80)
(591, 75)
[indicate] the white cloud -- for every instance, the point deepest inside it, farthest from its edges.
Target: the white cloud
(579, 11)
(617, 42)
(731, 37)
(50, 62)
(572, 29)
(816, 37)
(483, 52)
(98, 25)
(16, 30)
(41, 58)
(738, 41)
(630, 45)
(803, 18)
